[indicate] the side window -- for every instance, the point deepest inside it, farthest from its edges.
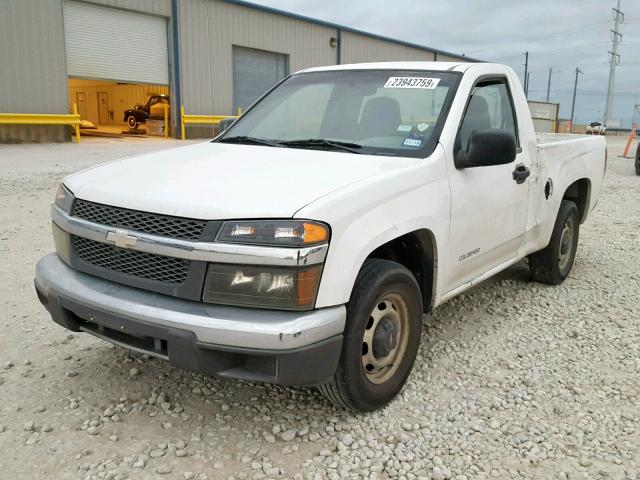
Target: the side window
(489, 107)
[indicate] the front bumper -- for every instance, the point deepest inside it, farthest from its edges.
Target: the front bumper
(293, 348)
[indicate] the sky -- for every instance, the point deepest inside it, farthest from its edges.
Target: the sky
(559, 34)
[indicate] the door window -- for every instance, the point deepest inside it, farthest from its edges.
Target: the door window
(489, 107)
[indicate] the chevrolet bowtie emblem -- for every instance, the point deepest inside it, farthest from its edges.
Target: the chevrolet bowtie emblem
(120, 238)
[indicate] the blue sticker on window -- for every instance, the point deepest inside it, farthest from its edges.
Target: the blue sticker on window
(412, 142)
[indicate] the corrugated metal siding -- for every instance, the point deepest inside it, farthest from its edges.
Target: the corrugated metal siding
(361, 48)
(155, 7)
(209, 29)
(447, 58)
(33, 76)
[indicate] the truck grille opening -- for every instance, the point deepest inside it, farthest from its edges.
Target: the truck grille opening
(151, 223)
(130, 262)
(145, 344)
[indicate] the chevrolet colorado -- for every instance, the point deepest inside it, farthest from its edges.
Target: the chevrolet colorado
(303, 245)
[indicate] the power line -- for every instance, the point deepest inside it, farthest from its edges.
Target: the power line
(569, 31)
(556, 50)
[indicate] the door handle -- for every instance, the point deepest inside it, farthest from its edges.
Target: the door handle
(521, 173)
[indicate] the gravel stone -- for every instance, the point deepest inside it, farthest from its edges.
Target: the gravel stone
(164, 469)
(347, 439)
(157, 453)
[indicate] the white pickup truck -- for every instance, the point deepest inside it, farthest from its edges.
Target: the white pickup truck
(303, 245)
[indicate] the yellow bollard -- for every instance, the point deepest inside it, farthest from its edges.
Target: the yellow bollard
(184, 134)
(76, 127)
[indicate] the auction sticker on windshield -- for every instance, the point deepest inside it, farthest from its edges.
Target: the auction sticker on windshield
(412, 82)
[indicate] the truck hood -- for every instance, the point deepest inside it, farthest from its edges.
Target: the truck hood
(225, 181)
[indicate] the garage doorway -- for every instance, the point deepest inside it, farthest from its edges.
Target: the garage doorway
(116, 61)
(255, 72)
(104, 103)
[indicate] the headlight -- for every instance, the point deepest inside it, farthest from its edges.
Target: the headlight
(283, 233)
(64, 198)
(262, 287)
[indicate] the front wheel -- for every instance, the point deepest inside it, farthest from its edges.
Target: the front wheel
(132, 123)
(381, 338)
(552, 264)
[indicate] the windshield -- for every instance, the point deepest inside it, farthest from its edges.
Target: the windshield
(379, 112)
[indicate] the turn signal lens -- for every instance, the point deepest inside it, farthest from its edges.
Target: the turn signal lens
(315, 233)
(64, 199)
(282, 233)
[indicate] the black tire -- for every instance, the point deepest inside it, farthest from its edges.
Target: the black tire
(379, 283)
(552, 264)
(132, 122)
(638, 160)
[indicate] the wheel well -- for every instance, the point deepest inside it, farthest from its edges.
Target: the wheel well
(579, 193)
(417, 252)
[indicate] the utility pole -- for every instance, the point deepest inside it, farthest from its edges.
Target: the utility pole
(526, 76)
(527, 90)
(549, 84)
(573, 103)
(636, 109)
(614, 60)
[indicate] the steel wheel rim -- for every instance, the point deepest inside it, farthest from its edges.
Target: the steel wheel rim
(566, 244)
(132, 122)
(389, 310)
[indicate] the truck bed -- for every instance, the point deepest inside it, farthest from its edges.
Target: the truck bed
(546, 138)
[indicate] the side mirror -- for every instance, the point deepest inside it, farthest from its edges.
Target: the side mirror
(226, 123)
(486, 148)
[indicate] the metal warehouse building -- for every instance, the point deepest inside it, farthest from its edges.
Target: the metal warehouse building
(212, 56)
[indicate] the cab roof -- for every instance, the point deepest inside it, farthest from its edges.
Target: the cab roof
(432, 66)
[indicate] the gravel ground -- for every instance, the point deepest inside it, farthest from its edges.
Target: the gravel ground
(513, 379)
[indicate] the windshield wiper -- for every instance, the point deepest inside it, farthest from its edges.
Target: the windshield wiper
(250, 140)
(323, 142)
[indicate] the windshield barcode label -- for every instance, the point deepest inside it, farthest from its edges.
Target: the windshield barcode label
(412, 82)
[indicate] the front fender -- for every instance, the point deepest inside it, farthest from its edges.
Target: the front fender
(374, 211)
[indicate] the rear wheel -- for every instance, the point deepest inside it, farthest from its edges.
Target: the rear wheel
(381, 338)
(638, 160)
(132, 123)
(553, 264)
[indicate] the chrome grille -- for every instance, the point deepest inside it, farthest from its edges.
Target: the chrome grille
(151, 223)
(130, 262)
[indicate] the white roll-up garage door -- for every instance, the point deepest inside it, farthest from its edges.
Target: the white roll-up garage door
(112, 44)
